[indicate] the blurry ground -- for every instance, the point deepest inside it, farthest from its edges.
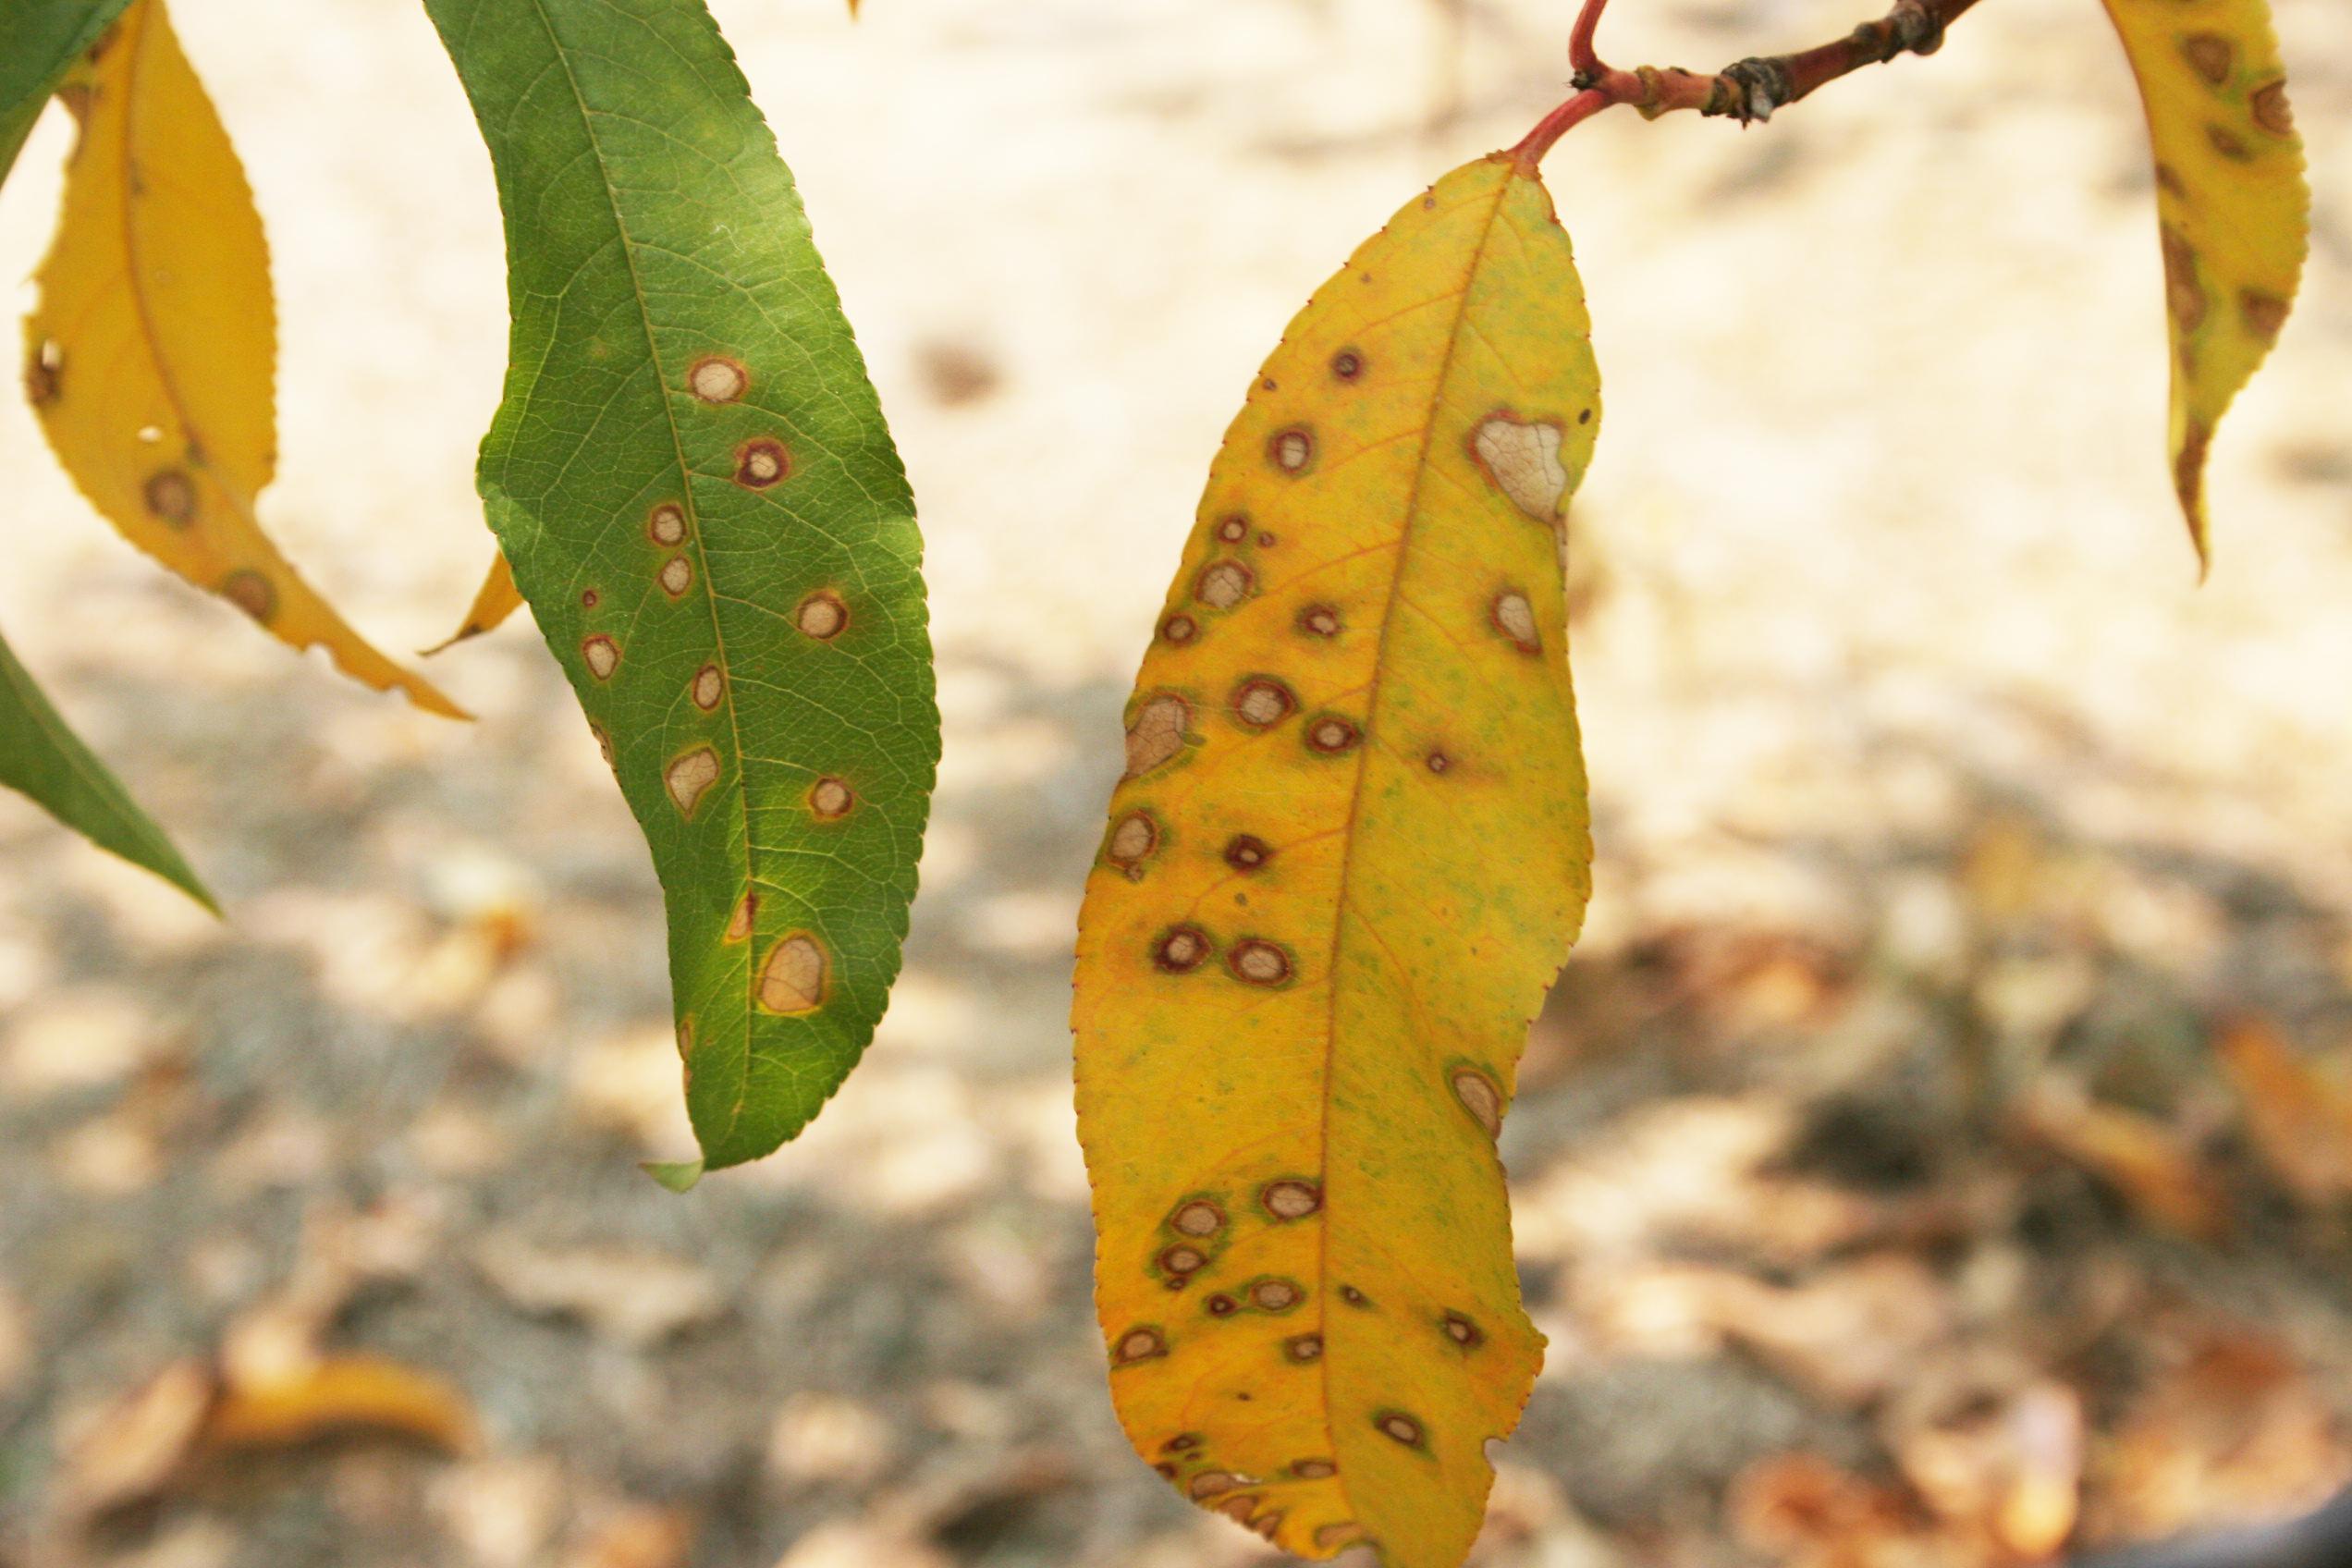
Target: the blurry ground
(1921, 1149)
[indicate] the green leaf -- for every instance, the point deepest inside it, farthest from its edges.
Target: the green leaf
(39, 39)
(44, 759)
(692, 481)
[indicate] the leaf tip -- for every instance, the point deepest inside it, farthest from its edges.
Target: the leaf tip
(678, 1175)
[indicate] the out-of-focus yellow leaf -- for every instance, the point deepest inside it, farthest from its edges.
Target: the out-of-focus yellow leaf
(2233, 209)
(497, 599)
(152, 353)
(1347, 858)
(340, 1393)
(2300, 1117)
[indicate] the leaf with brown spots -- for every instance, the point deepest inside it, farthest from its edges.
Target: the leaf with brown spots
(2232, 208)
(151, 355)
(1349, 854)
(692, 482)
(496, 599)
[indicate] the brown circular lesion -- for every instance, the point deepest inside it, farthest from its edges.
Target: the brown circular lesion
(762, 462)
(1348, 364)
(1182, 949)
(1319, 620)
(2271, 109)
(251, 591)
(1261, 701)
(1233, 528)
(2210, 55)
(2262, 312)
(1181, 1261)
(1255, 962)
(1292, 449)
(1199, 1217)
(1333, 735)
(170, 495)
(715, 378)
(1142, 1342)
(1178, 629)
(830, 799)
(1303, 1349)
(1289, 1197)
(1247, 852)
(1461, 1331)
(1275, 1295)
(1398, 1426)
(822, 615)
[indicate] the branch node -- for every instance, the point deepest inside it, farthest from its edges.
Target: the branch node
(1758, 86)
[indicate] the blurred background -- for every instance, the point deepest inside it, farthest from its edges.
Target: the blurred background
(1938, 1152)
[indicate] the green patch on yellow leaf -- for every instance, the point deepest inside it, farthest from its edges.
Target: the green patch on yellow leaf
(1349, 853)
(2231, 203)
(151, 356)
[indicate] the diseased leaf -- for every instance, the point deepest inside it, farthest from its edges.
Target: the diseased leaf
(691, 479)
(2232, 210)
(151, 356)
(42, 758)
(497, 598)
(1348, 856)
(39, 41)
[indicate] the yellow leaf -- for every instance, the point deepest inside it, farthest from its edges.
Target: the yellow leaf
(1349, 855)
(496, 599)
(2234, 213)
(151, 355)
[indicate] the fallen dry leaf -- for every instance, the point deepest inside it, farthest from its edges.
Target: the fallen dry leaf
(2149, 1165)
(2300, 1117)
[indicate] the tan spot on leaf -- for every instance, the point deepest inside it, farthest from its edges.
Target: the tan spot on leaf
(717, 379)
(1238, 1508)
(689, 776)
(1179, 630)
(603, 744)
(1182, 1441)
(603, 655)
(1182, 1260)
(1304, 1348)
(1292, 450)
(1258, 964)
(739, 925)
(590, 598)
(1347, 364)
(1181, 951)
(1404, 1428)
(677, 576)
(1523, 461)
(1222, 1306)
(1290, 1198)
(1139, 1344)
(1209, 1483)
(1462, 1331)
(822, 615)
(251, 591)
(760, 463)
(709, 686)
(44, 372)
(1156, 734)
(1274, 1295)
(1479, 1097)
(1262, 702)
(1245, 852)
(686, 1035)
(171, 495)
(1197, 1218)
(666, 524)
(1134, 838)
(793, 979)
(1222, 584)
(1515, 618)
(1314, 1469)
(831, 799)
(1319, 620)
(1332, 736)
(2168, 178)
(2271, 111)
(1437, 761)
(1233, 529)
(2209, 55)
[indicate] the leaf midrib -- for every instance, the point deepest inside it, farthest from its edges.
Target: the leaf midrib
(693, 515)
(1353, 823)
